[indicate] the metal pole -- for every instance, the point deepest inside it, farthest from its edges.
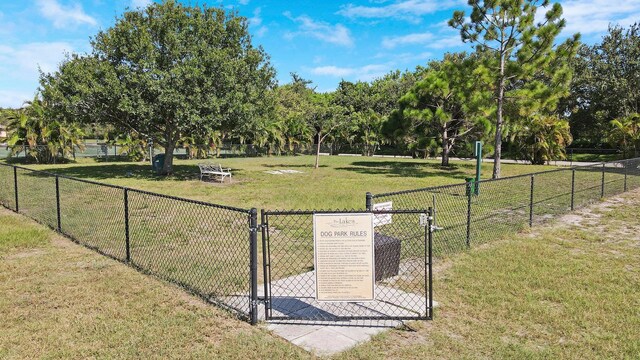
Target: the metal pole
(602, 187)
(531, 203)
(126, 224)
(430, 259)
(58, 203)
(253, 240)
(265, 262)
(624, 164)
(468, 214)
(573, 187)
(15, 186)
(369, 202)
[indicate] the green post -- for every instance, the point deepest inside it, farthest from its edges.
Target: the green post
(478, 154)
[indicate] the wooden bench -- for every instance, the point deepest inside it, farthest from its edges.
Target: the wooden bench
(212, 170)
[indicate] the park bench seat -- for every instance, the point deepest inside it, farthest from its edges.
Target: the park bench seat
(214, 171)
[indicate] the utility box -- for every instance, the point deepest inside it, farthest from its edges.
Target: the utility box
(157, 163)
(387, 256)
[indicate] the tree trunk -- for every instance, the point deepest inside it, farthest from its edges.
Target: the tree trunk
(498, 141)
(446, 148)
(167, 167)
(318, 151)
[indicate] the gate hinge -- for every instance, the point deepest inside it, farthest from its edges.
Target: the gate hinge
(257, 228)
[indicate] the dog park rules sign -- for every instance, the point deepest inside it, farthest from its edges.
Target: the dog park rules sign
(344, 256)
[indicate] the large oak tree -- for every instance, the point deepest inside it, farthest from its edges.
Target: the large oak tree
(166, 72)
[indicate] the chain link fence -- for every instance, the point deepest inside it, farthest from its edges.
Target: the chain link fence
(203, 247)
(212, 250)
(402, 269)
(470, 214)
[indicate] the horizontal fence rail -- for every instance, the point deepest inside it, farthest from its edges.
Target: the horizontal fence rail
(465, 216)
(203, 247)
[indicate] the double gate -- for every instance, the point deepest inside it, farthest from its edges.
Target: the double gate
(403, 277)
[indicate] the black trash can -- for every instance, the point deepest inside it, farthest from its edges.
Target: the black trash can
(387, 256)
(158, 163)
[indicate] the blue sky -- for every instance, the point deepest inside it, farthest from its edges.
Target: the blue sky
(324, 41)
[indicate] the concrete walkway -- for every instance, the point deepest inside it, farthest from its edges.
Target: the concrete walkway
(318, 327)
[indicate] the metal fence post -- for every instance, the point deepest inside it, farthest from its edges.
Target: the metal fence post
(265, 261)
(469, 193)
(126, 225)
(531, 202)
(369, 202)
(253, 240)
(15, 186)
(602, 187)
(573, 187)
(58, 203)
(625, 175)
(429, 254)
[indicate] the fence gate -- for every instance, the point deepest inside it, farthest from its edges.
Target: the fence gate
(347, 274)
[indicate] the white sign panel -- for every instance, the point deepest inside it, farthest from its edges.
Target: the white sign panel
(382, 219)
(344, 256)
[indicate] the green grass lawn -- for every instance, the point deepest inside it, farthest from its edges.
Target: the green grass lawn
(340, 183)
(568, 290)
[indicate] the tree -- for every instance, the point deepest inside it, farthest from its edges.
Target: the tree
(542, 139)
(363, 124)
(44, 138)
(626, 134)
(605, 84)
(519, 51)
(169, 71)
(325, 118)
(447, 103)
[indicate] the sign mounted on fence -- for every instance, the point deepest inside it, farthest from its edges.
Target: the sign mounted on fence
(383, 219)
(344, 256)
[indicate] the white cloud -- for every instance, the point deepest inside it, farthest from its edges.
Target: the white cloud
(256, 21)
(25, 59)
(243, 2)
(64, 16)
(426, 39)
(19, 66)
(363, 73)
(410, 39)
(14, 98)
(410, 10)
(335, 34)
(594, 16)
(135, 4)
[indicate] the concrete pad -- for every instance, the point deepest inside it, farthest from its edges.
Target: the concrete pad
(324, 341)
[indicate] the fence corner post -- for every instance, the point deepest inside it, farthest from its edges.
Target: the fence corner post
(573, 188)
(369, 201)
(531, 202)
(58, 203)
(469, 195)
(126, 225)
(15, 186)
(253, 240)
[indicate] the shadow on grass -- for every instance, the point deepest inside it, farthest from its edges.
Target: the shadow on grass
(407, 169)
(130, 171)
(292, 166)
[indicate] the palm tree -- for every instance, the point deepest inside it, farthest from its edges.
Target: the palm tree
(626, 133)
(43, 137)
(542, 139)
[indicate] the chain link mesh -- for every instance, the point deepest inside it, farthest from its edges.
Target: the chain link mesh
(401, 266)
(470, 214)
(203, 247)
(7, 189)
